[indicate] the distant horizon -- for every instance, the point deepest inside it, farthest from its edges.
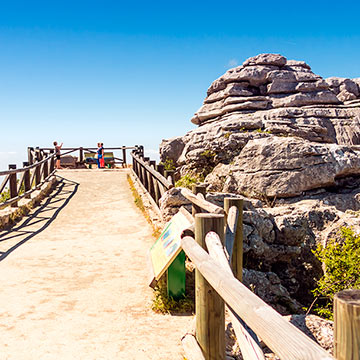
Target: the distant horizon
(136, 73)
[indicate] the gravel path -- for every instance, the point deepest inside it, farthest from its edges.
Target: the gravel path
(74, 278)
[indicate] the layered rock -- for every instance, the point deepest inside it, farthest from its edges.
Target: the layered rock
(269, 81)
(288, 141)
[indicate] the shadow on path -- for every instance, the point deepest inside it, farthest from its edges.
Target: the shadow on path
(58, 199)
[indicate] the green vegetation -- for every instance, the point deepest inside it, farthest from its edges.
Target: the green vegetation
(341, 261)
(165, 304)
(168, 164)
(209, 154)
(5, 195)
(261, 131)
(139, 203)
(187, 181)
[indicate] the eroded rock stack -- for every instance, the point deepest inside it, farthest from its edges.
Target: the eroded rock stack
(288, 142)
(269, 81)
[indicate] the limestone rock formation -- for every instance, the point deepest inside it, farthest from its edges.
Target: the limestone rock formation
(287, 141)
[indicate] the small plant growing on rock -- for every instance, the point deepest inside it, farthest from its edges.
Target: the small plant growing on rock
(187, 181)
(227, 135)
(5, 195)
(261, 131)
(209, 154)
(168, 164)
(341, 260)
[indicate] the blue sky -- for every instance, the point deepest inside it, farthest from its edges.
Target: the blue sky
(134, 73)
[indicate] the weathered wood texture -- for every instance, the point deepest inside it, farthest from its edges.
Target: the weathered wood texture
(197, 189)
(283, 338)
(235, 226)
(201, 203)
(347, 325)
(250, 348)
(13, 185)
(153, 172)
(210, 310)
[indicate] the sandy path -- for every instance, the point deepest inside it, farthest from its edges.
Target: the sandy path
(74, 278)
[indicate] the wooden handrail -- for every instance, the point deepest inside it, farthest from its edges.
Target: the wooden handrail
(25, 194)
(200, 201)
(282, 337)
(165, 182)
(94, 148)
(15, 171)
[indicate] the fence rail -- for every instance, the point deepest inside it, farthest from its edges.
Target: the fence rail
(218, 283)
(20, 183)
(154, 178)
(32, 177)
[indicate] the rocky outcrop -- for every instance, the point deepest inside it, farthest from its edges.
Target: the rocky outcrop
(269, 81)
(288, 142)
(284, 167)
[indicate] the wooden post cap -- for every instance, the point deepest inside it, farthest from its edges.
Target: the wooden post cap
(351, 297)
(347, 325)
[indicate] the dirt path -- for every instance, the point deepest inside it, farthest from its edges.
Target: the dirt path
(74, 278)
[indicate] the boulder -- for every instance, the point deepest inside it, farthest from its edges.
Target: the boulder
(171, 149)
(296, 63)
(286, 167)
(266, 59)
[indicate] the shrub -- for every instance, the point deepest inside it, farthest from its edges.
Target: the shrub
(187, 181)
(341, 261)
(168, 164)
(5, 195)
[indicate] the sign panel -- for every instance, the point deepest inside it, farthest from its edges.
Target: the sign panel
(168, 246)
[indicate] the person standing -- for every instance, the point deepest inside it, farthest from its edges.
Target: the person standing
(57, 154)
(100, 154)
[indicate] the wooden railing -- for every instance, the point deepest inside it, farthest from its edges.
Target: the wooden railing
(81, 149)
(218, 283)
(31, 177)
(154, 178)
(20, 183)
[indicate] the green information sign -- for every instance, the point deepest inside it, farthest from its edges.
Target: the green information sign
(166, 254)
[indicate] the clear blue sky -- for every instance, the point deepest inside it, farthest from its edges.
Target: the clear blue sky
(135, 72)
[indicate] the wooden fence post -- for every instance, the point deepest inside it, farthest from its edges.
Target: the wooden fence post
(37, 175)
(141, 169)
(160, 169)
(45, 170)
(237, 255)
(52, 161)
(156, 187)
(152, 190)
(30, 155)
(210, 308)
(27, 184)
(13, 185)
(347, 325)
(124, 156)
(38, 153)
(146, 182)
(197, 189)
